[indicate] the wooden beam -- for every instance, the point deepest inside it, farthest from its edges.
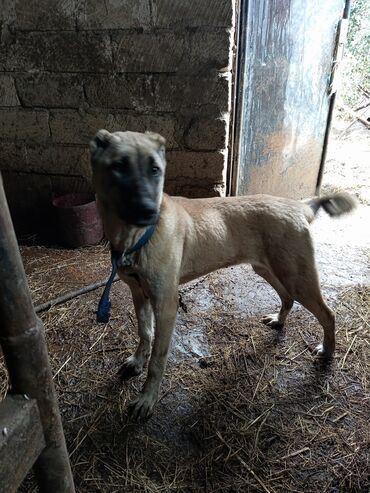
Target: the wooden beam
(354, 115)
(21, 439)
(22, 338)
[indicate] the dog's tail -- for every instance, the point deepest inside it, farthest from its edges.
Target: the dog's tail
(335, 205)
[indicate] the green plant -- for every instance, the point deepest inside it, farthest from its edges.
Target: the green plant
(356, 62)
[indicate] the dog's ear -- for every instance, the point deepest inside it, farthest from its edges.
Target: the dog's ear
(158, 139)
(100, 141)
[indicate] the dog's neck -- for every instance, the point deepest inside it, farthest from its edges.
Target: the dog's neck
(121, 235)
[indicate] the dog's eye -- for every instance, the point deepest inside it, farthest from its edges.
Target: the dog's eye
(155, 170)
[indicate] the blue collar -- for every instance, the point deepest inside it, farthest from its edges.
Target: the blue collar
(103, 312)
(142, 241)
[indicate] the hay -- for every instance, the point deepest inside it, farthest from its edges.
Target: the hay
(256, 413)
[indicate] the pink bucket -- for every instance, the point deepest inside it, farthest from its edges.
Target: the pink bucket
(79, 223)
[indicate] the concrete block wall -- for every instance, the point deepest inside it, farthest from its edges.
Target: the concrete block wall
(69, 67)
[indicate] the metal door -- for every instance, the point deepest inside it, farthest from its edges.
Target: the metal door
(286, 50)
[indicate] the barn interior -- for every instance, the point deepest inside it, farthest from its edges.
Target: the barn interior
(245, 94)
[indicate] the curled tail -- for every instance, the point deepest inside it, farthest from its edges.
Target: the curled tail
(335, 205)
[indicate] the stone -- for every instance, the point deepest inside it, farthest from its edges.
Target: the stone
(69, 184)
(13, 156)
(134, 92)
(162, 124)
(72, 127)
(205, 134)
(58, 159)
(209, 51)
(186, 52)
(198, 166)
(149, 52)
(187, 188)
(64, 51)
(206, 95)
(8, 92)
(113, 14)
(23, 52)
(45, 15)
(50, 90)
(192, 13)
(78, 52)
(19, 124)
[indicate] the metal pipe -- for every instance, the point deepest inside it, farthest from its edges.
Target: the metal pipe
(346, 11)
(22, 338)
(71, 295)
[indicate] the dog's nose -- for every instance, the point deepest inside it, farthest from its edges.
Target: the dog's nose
(145, 206)
(146, 210)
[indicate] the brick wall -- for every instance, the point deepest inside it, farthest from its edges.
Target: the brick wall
(69, 67)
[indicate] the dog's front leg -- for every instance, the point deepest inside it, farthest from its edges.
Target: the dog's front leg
(165, 310)
(134, 364)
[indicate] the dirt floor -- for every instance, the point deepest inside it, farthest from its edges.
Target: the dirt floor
(243, 408)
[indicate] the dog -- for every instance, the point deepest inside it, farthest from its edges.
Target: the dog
(193, 237)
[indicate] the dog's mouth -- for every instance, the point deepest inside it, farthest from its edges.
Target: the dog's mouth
(153, 219)
(142, 219)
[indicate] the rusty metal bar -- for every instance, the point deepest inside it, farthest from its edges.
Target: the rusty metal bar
(22, 339)
(346, 12)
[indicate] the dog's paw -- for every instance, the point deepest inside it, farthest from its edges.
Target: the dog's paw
(130, 368)
(141, 407)
(322, 352)
(272, 320)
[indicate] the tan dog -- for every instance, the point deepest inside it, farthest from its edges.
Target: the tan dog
(194, 237)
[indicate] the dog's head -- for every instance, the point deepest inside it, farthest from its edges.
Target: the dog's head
(128, 174)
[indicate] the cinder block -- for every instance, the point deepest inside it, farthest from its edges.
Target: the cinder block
(58, 159)
(113, 14)
(72, 127)
(24, 125)
(23, 52)
(149, 52)
(8, 93)
(44, 15)
(200, 166)
(69, 184)
(209, 51)
(78, 52)
(13, 156)
(50, 90)
(48, 158)
(205, 134)
(192, 189)
(192, 95)
(134, 92)
(162, 124)
(192, 13)
(186, 52)
(64, 51)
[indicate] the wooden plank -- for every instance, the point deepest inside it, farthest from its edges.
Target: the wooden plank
(21, 440)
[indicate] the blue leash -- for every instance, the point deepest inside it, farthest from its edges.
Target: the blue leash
(104, 307)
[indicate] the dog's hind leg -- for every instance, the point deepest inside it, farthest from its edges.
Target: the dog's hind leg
(310, 297)
(275, 320)
(134, 364)
(297, 272)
